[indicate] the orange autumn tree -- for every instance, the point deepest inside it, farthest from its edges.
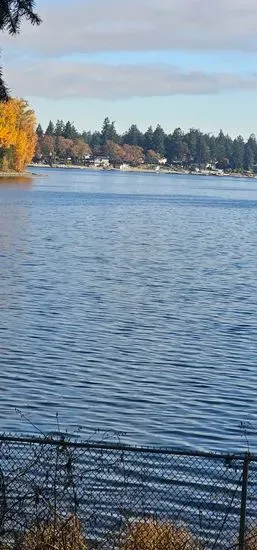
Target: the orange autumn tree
(17, 134)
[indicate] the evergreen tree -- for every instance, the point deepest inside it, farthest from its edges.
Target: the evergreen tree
(252, 143)
(96, 142)
(86, 136)
(191, 139)
(108, 132)
(115, 138)
(177, 144)
(148, 139)
(105, 133)
(228, 147)
(224, 150)
(69, 131)
(238, 153)
(39, 130)
(169, 148)
(59, 128)
(221, 158)
(212, 146)
(133, 136)
(203, 151)
(185, 157)
(50, 129)
(13, 11)
(159, 140)
(248, 157)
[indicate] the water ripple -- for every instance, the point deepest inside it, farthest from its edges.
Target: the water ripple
(128, 302)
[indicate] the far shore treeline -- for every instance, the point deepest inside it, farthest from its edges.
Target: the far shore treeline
(63, 142)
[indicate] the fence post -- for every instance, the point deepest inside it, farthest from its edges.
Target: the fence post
(243, 502)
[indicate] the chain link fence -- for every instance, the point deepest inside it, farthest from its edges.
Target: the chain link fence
(63, 495)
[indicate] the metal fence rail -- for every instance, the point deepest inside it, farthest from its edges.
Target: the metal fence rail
(63, 495)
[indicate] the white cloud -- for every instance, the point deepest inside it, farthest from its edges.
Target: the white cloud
(117, 25)
(55, 79)
(37, 64)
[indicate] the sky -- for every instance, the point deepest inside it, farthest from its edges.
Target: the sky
(179, 63)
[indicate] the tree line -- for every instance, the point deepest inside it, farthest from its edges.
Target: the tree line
(192, 148)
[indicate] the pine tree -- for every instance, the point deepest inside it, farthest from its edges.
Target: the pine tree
(39, 131)
(203, 151)
(212, 146)
(252, 143)
(248, 157)
(59, 128)
(148, 139)
(86, 136)
(178, 138)
(13, 11)
(70, 131)
(238, 153)
(192, 139)
(108, 132)
(114, 137)
(133, 136)
(159, 140)
(96, 142)
(105, 132)
(50, 129)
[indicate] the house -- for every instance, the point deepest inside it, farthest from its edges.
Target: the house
(102, 161)
(98, 162)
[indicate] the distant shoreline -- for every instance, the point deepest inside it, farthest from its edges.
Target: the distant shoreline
(17, 175)
(142, 170)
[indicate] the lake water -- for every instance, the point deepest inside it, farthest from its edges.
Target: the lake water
(128, 302)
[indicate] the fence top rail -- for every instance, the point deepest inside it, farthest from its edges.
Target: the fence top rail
(64, 441)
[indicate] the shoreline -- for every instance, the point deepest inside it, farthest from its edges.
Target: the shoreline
(182, 172)
(18, 175)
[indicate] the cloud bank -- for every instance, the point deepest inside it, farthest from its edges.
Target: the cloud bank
(54, 79)
(83, 26)
(44, 61)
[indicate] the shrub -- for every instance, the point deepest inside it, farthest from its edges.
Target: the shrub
(63, 534)
(156, 535)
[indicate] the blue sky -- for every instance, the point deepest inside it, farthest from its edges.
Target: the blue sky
(182, 63)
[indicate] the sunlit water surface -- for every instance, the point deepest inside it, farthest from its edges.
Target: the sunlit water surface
(128, 302)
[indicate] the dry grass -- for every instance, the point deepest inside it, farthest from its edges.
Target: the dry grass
(156, 535)
(150, 534)
(64, 534)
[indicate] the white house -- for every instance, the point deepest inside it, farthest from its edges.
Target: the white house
(162, 161)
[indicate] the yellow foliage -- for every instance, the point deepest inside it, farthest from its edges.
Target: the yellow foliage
(17, 132)
(156, 535)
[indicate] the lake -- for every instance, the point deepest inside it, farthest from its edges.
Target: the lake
(128, 303)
